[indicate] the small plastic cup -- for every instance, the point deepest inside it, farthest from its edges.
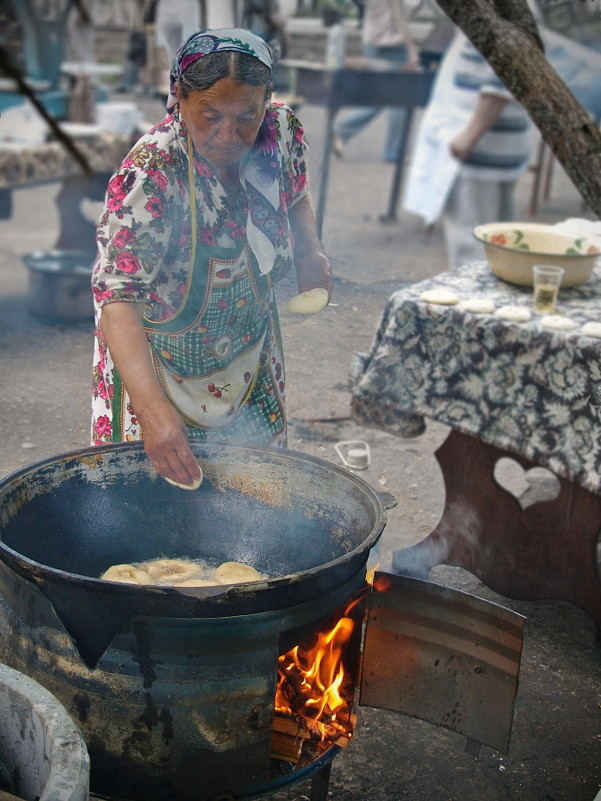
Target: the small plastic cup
(547, 280)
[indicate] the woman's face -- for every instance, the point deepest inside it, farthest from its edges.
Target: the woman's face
(224, 120)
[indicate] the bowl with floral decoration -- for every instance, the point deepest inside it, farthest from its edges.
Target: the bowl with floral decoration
(513, 248)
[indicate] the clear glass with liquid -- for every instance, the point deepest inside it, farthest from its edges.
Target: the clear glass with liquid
(546, 281)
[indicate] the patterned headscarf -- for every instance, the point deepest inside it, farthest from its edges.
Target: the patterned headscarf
(215, 40)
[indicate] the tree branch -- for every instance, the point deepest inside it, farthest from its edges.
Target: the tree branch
(502, 32)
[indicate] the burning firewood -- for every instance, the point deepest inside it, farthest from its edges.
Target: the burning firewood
(289, 735)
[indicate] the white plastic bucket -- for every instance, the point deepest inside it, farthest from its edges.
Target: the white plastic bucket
(42, 750)
(119, 118)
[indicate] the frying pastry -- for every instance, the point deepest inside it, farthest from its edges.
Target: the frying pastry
(127, 574)
(171, 571)
(181, 573)
(236, 573)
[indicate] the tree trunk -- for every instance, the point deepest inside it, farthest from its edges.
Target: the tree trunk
(505, 33)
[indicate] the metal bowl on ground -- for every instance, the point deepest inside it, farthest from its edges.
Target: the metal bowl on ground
(513, 248)
(60, 284)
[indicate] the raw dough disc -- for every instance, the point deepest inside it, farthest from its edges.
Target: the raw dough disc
(557, 322)
(236, 573)
(514, 314)
(198, 582)
(444, 297)
(478, 305)
(193, 486)
(312, 301)
(127, 574)
(592, 329)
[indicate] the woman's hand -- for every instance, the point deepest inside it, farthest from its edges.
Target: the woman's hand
(313, 270)
(163, 430)
(166, 443)
(312, 266)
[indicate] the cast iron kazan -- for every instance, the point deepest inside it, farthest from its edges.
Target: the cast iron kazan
(175, 688)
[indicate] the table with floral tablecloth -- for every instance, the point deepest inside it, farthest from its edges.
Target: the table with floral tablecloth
(505, 389)
(522, 387)
(24, 164)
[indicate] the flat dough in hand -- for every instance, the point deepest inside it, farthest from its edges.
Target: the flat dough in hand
(193, 486)
(236, 573)
(311, 302)
(443, 297)
(592, 329)
(127, 574)
(514, 314)
(478, 305)
(557, 322)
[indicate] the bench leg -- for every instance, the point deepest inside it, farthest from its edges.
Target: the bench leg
(548, 550)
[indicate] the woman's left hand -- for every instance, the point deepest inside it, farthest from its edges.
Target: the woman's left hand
(312, 266)
(313, 270)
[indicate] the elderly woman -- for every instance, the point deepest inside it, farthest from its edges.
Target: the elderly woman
(207, 211)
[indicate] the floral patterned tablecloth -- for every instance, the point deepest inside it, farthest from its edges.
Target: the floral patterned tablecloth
(21, 164)
(521, 387)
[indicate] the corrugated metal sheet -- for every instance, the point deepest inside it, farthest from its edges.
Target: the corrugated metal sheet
(443, 656)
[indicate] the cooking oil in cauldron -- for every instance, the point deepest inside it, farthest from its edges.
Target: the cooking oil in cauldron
(183, 572)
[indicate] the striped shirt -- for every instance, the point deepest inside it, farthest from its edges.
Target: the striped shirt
(502, 153)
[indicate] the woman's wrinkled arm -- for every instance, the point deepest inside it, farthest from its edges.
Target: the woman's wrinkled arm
(165, 438)
(312, 265)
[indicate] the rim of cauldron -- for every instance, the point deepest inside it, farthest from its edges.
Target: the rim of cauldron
(214, 599)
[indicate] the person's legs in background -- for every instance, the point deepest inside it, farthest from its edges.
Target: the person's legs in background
(397, 122)
(351, 124)
(397, 117)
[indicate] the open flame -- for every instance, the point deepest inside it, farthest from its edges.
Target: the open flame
(315, 687)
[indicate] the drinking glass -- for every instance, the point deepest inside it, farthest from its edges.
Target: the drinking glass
(547, 280)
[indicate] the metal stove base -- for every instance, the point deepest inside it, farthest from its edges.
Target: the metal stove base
(318, 772)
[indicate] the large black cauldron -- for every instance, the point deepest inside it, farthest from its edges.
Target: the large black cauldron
(174, 688)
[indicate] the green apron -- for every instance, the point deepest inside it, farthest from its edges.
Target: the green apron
(219, 358)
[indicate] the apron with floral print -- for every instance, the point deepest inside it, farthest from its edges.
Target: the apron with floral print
(219, 357)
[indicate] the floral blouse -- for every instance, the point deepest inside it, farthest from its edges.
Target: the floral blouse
(144, 235)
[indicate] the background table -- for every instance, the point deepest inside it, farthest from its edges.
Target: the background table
(363, 82)
(505, 389)
(23, 165)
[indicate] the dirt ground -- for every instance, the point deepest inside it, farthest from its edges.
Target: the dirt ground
(555, 753)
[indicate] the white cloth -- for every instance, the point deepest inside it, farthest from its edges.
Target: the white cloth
(433, 170)
(176, 21)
